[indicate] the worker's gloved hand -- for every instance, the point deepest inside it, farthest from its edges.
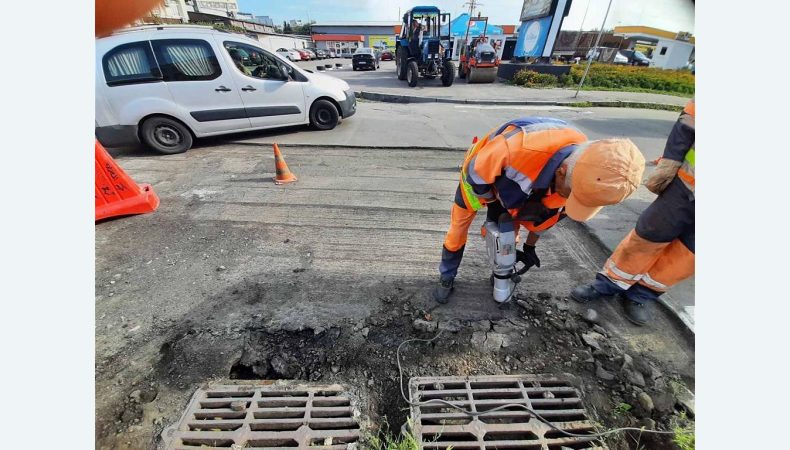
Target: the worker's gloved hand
(530, 257)
(665, 172)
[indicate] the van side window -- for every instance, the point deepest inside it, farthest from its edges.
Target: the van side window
(186, 59)
(129, 64)
(254, 62)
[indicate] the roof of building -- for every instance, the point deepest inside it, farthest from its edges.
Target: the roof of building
(650, 32)
(366, 23)
(338, 37)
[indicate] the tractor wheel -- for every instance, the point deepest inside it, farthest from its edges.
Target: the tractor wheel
(461, 73)
(412, 73)
(401, 61)
(448, 73)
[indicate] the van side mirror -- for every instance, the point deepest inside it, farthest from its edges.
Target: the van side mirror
(284, 72)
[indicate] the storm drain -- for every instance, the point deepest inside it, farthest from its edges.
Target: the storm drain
(266, 417)
(439, 426)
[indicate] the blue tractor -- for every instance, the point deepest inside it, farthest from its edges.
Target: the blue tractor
(424, 46)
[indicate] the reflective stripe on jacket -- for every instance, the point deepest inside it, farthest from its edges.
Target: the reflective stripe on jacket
(680, 145)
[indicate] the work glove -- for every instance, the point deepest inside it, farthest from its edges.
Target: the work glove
(529, 258)
(663, 175)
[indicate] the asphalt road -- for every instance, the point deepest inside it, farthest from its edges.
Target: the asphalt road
(451, 127)
(358, 237)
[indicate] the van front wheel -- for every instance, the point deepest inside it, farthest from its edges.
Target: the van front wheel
(324, 115)
(166, 135)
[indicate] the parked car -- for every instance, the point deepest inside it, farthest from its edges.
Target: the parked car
(619, 58)
(636, 58)
(166, 85)
(319, 54)
(310, 54)
(303, 55)
(292, 55)
(386, 56)
(365, 58)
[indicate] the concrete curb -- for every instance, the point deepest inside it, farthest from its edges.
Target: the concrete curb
(398, 98)
(674, 311)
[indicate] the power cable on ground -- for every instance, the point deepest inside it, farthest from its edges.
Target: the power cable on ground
(475, 414)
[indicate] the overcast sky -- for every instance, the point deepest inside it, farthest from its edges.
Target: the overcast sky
(671, 15)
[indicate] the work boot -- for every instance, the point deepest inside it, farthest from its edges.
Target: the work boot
(585, 293)
(635, 312)
(441, 293)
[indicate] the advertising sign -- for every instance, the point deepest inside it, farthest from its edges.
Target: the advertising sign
(541, 21)
(532, 37)
(379, 41)
(535, 9)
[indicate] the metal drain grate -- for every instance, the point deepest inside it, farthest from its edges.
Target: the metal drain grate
(439, 426)
(266, 417)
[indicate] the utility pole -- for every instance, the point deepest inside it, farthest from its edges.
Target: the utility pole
(472, 5)
(581, 27)
(597, 41)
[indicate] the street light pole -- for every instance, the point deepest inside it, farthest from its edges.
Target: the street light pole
(597, 41)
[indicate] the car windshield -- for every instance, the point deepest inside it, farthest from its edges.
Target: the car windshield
(364, 50)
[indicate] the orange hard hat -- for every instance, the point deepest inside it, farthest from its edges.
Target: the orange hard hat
(114, 14)
(606, 173)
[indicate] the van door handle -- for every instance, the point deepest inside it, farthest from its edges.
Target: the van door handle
(222, 89)
(248, 88)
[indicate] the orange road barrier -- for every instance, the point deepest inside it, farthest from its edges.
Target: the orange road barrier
(116, 193)
(282, 173)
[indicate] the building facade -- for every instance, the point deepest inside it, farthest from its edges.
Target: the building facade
(347, 35)
(339, 45)
(262, 33)
(226, 7)
(169, 11)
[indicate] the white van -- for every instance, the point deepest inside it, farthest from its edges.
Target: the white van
(166, 85)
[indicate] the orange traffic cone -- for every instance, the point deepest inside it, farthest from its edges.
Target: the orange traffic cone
(282, 174)
(116, 193)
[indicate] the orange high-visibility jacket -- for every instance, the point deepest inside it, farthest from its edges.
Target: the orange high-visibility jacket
(680, 145)
(516, 165)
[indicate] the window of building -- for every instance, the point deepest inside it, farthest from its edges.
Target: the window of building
(129, 64)
(663, 50)
(186, 59)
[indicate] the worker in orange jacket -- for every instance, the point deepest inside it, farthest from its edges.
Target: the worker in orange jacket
(538, 170)
(659, 252)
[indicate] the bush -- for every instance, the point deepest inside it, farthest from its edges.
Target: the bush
(530, 78)
(615, 76)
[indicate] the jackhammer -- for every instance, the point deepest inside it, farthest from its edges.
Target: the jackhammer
(500, 239)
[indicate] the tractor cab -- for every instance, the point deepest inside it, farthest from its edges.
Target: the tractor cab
(425, 41)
